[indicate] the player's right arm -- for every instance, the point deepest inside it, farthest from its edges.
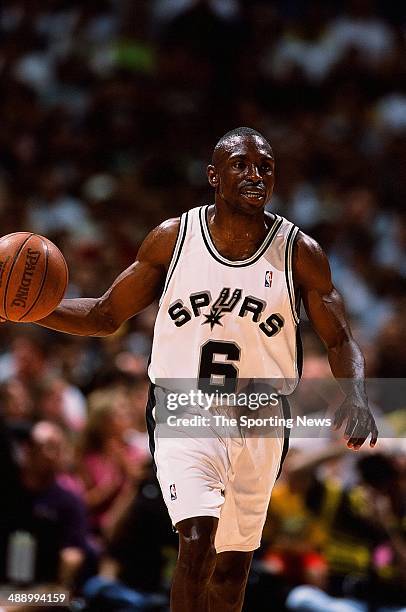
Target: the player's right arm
(132, 291)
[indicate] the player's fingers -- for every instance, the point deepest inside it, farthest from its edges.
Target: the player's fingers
(356, 443)
(354, 440)
(374, 435)
(363, 428)
(365, 425)
(350, 428)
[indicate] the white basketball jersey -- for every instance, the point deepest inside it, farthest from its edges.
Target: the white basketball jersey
(220, 319)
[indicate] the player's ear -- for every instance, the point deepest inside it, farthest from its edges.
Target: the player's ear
(212, 175)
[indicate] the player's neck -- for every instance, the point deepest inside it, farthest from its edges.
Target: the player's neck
(237, 224)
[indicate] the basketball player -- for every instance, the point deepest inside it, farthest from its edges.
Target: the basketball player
(230, 276)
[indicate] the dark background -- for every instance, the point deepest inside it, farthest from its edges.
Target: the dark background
(109, 113)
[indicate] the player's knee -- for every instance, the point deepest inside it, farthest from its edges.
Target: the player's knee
(197, 554)
(197, 559)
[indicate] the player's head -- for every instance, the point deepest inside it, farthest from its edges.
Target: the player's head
(242, 170)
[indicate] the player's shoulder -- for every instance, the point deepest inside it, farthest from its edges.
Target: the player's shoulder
(309, 262)
(159, 244)
(167, 230)
(307, 247)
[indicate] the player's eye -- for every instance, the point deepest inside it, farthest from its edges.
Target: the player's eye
(267, 168)
(239, 165)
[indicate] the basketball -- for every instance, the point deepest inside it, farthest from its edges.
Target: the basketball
(33, 277)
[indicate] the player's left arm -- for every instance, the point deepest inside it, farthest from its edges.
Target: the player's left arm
(325, 309)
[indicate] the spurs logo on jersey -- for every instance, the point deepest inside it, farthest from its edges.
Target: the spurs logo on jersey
(227, 319)
(223, 304)
(181, 314)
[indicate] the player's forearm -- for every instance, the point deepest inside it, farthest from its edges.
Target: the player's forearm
(81, 317)
(348, 367)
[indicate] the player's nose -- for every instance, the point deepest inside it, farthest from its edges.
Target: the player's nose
(253, 173)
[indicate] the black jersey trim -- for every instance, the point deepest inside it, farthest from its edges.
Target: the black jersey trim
(228, 262)
(151, 423)
(286, 432)
(288, 272)
(299, 353)
(176, 251)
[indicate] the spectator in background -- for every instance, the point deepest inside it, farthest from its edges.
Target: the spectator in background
(362, 32)
(15, 402)
(111, 467)
(140, 556)
(391, 345)
(294, 536)
(55, 211)
(138, 395)
(29, 364)
(366, 546)
(44, 539)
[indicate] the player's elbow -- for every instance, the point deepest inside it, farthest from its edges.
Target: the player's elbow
(339, 340)
(106, 323)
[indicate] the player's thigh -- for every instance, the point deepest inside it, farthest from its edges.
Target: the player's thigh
(247, 495)
(192, 475)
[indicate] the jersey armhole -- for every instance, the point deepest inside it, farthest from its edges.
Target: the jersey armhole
(176, 251)
(288, 272)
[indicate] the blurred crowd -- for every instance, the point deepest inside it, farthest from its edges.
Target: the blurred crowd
(109, 112)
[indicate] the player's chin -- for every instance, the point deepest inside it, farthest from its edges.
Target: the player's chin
(250, 204)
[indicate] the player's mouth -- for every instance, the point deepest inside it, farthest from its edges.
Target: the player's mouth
(254, 195)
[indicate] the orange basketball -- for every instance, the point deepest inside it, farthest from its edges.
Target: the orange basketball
(33, 277)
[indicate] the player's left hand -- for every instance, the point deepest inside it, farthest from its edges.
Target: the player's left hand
(360, 423)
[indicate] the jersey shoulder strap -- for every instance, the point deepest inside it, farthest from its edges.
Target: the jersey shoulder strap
(189, 223)
(282, 250)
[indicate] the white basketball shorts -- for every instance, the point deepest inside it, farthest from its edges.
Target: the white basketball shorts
(230, 478)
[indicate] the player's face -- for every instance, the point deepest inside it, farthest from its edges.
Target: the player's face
(243, 174)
